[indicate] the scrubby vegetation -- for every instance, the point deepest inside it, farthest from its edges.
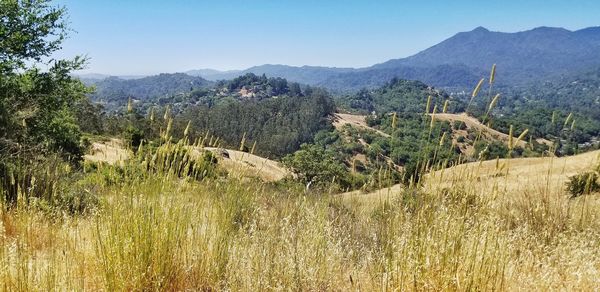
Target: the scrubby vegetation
(584, 183)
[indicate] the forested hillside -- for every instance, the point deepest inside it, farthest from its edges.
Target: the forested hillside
(113, 91)
(565, 110)
(275, 114)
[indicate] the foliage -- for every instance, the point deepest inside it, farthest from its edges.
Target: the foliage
(115, 92)
(36, 107)
(278, 125)
(490, 150)
(315, 165)
(398, 95)
(583, 183)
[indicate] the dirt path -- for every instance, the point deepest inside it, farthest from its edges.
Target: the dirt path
(340, 120)
(472, 122)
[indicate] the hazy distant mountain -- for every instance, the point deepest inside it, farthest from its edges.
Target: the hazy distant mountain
(214, 75)
(306, 74)
(447, 76)
(537, 54)
(94, 77)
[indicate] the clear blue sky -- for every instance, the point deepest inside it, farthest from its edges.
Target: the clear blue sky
(151, 36)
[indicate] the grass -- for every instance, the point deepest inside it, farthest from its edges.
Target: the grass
(160, 232)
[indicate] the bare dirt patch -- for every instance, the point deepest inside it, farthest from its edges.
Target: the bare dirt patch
(111, 152)
(359, 121)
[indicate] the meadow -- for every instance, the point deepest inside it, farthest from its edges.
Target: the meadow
(470, 227)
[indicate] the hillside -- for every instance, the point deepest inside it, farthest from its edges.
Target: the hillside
(534, 55)
(116, 91)
(245, 165)
(476, 125)
(517, 177)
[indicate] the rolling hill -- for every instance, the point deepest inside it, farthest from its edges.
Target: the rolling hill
(117, 89)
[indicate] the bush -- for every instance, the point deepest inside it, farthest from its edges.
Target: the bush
(582, 184)
(459, 125)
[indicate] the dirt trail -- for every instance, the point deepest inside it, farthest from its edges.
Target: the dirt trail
(340, 120)
(472, 122)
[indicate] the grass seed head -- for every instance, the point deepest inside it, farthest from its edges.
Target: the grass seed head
(493, 74)
(187, 129)
(428, 104)
(494, 102)
(152, 114)
(129, 106)
(477, 88)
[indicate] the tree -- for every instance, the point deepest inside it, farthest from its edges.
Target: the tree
(36, 106)
(313, 164)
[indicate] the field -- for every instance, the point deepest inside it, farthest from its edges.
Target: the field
(496, 225)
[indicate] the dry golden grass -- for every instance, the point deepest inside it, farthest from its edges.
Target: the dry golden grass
(516, 175)
(505, 225)
(238, 164)
(111, 152)
(242, 164)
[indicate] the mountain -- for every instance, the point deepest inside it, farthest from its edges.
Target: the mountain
(95, 77)
(214, 75)
(117, 90)
(446, 76)
(539, 54)
(311, 75)
(532, 55)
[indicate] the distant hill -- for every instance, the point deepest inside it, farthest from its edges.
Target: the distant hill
(95, 77)
(445, 76)
(539, 54)
(117, 90)
(311, 75)
(214, 75)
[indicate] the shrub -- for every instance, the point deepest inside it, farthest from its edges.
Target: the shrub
(582, 184)
(459, 125)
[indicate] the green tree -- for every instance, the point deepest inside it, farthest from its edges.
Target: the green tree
(32, 101)
(315, 165)
(36, 107)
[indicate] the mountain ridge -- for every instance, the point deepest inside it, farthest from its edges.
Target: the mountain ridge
(537, 54)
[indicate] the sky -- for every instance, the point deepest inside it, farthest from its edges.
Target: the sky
(127, 37)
